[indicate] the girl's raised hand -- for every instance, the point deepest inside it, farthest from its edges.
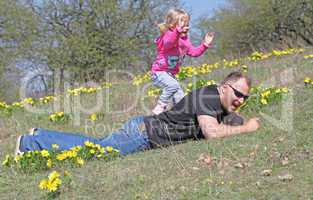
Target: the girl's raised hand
(208, 39)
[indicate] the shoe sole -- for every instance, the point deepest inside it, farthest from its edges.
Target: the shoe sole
(32, 131)
(17, 147)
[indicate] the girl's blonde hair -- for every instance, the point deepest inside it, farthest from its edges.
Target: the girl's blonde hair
(171, 19)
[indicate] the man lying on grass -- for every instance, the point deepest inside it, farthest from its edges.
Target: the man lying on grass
(206, 113)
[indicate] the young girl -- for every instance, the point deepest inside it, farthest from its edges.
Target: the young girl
(172, 46)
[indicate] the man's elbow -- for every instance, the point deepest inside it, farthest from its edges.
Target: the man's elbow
(210, 135)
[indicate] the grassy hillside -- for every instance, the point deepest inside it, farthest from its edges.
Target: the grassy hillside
(283, 145)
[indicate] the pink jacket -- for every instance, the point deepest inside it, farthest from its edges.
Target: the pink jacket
(172, 50)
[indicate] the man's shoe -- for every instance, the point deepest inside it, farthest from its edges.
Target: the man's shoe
(32, 131)
(18, 145)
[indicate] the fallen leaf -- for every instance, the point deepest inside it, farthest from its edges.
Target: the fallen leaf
(258, 183)
(205, 158)
(182, 188)
(201, 157)
(239, 165)
(281, 139)
(222, 172)
(208, 160)
(247, 164)
(285, 177)
(266, 172)
(221, 165)
(254, 152)
(285, 161)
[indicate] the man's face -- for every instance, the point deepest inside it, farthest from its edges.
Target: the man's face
(235, 93)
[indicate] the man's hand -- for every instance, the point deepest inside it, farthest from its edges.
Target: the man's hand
(208, 39)
(252, 124)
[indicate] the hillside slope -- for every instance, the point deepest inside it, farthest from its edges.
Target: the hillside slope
(283, 146)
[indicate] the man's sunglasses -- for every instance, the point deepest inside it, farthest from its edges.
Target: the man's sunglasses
(239, 94)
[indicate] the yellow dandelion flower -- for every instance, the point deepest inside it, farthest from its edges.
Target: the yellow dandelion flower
(93, 117)
(109, 149)
(80, 161)
(61, 156)
(54, 184)
(266, 93)
(51, 187)
(308, 56)
(17, 158)
(76, 148)
(52, 117)
(3, 105)
(43, 184)
(17, 104)
(97, 146)
(28, 101)
(307, 80)
(88, 144)
(53, 175)
(6, 160)
(45, 153)
(285, 90)
(49, 163)
(66, 173)
(106, 85)
(71, 154)
(150, 93)
(278, 90)
(60, 114)
(263, 101)
(116, 150)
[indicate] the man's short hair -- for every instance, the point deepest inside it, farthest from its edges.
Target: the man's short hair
(235, 76)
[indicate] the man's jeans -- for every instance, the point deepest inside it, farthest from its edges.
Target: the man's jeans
(129, 139)
(170, 87)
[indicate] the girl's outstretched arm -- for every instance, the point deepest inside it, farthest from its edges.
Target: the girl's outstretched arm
(195, 51)
(198, 51)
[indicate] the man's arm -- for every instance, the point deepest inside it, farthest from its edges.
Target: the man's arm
(212, 129)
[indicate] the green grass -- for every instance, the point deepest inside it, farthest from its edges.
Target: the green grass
(175, 172)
